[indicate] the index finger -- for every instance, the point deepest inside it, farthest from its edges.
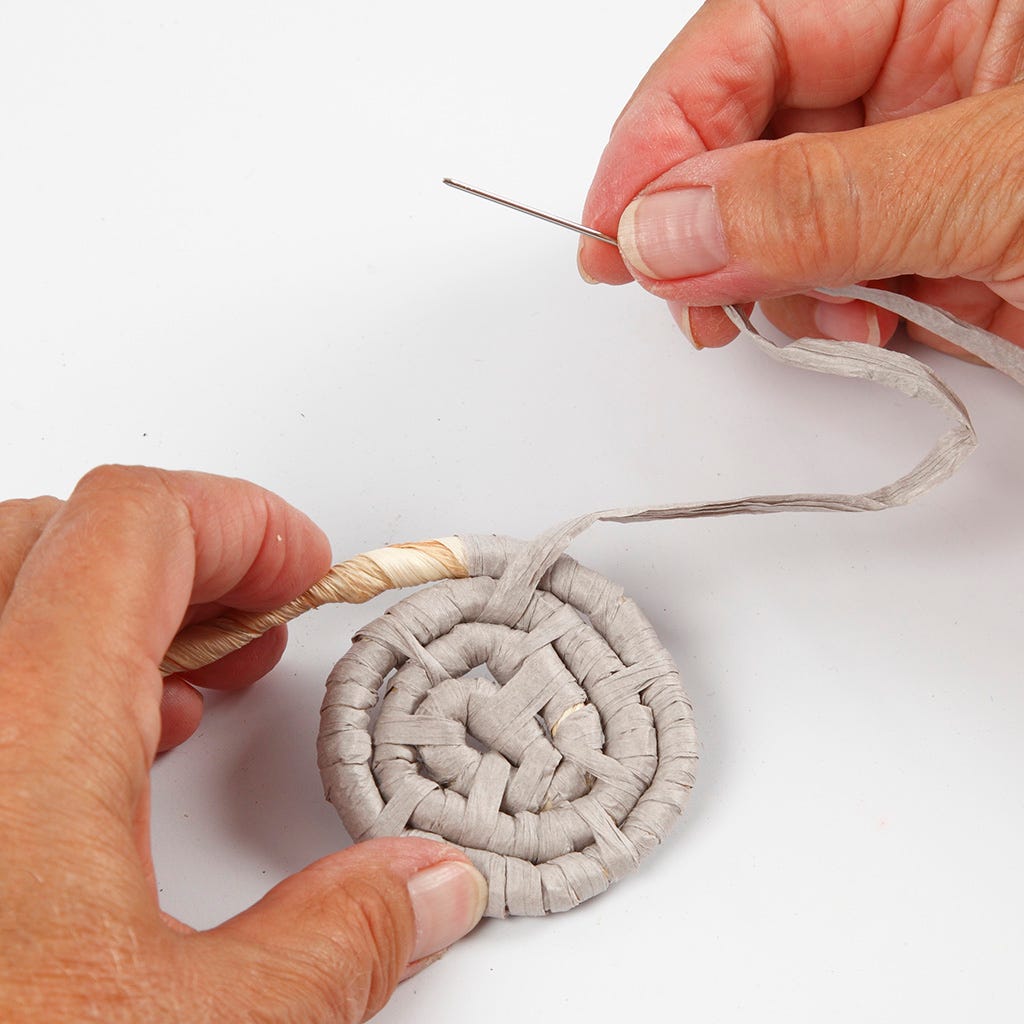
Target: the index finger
(102, 594)
(719, 83)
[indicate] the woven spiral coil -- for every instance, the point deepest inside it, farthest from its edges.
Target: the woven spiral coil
(557, 774)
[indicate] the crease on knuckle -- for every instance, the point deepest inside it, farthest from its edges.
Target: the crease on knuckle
(738, 100)
(223, 546)
(812, 227)
(306, 987)
(274, 559)
(372, 942)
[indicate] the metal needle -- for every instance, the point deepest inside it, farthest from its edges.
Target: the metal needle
(581, 229)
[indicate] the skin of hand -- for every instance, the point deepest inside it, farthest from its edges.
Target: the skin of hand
(91, 593)
(778, 146)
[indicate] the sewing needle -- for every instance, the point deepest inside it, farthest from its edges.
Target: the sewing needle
(581, 229)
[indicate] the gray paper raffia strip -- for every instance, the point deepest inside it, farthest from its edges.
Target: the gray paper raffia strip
(844, 359)
(993, 349)
(590, 742)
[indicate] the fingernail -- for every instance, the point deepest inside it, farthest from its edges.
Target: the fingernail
(673, 234)
(448, 901)
(417, 966)
(874, 328)
(579, 264)
(681, 314)
(854, 321)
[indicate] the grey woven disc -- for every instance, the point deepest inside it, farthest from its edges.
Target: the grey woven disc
(557, 773)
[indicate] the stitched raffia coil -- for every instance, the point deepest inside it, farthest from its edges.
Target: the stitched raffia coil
(556, 775)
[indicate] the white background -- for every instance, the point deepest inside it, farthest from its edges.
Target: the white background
(225, 245)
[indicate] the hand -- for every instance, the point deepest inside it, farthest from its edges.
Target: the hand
(91, 594)
(912, 166)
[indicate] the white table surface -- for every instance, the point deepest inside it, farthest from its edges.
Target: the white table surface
(226, 246)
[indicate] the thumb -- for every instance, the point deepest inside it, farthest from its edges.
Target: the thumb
(937, 194)
(331, 942)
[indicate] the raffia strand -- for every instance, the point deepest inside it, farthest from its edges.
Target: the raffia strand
(351, 582)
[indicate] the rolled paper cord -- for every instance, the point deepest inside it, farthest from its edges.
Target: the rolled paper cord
(352, 582)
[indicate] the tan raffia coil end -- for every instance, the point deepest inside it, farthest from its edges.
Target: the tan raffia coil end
(351, 582)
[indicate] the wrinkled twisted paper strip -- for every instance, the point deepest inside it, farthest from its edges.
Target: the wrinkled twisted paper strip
(561, 772)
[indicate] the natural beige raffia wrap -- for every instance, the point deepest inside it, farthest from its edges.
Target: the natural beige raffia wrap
(559, 773)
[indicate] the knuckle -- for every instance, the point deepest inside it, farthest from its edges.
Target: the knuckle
(307, 988)
(114, 476)
(134, 491)
(22, 522)
(809, 227)
(373, 944)
(347, 965)
(275, 558)
(30, 513)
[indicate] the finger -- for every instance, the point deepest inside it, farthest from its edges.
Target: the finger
(704, 326)
(252, 549)
(181, 708)
(935, 194)
(720, 82)
(803, 316)
(100, 598)
(331, 942)
(22, 522)
(181, 705)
